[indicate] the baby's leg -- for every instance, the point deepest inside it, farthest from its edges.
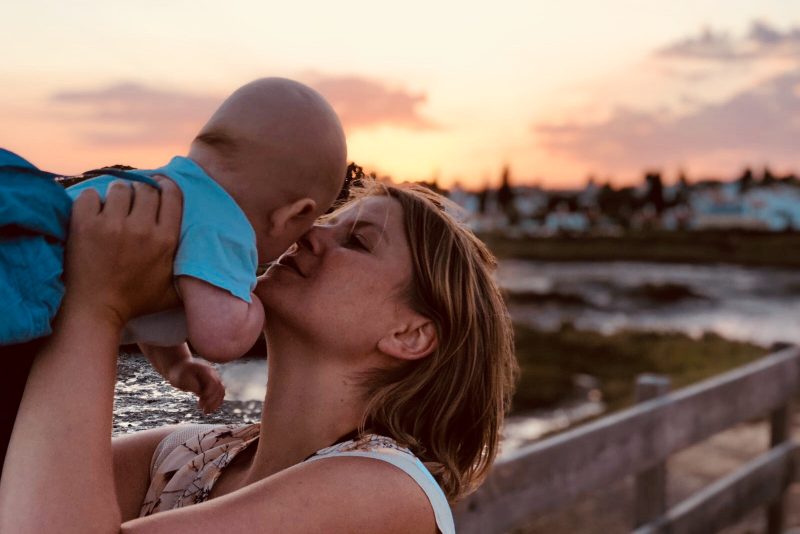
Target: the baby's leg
(221, 327)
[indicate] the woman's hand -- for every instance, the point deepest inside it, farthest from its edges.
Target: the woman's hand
(119, 253)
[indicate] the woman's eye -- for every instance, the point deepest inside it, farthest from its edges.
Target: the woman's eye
(357, 240)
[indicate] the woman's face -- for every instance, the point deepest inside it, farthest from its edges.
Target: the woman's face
(343, 284)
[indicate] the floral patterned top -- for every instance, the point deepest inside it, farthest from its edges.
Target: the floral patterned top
(188, 462)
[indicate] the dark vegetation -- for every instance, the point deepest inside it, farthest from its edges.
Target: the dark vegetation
(740, 247)
(550, 360)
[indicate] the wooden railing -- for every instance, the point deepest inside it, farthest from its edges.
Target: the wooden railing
(550, 473)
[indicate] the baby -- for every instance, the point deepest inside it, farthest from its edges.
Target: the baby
(269, 162)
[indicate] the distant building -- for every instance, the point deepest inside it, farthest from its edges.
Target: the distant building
(778, 206)
(561, 220)
(775, 208)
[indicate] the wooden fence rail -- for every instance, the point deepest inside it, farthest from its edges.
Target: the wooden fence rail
(637, 441)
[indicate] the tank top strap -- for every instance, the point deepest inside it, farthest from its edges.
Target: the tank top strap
(387, 450)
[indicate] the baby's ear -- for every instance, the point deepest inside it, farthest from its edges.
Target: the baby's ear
(283, 216)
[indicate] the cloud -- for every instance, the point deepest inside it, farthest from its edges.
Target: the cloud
(134, 114)
(762, 121)
(714, 100)
(366, 103)
(761, 41)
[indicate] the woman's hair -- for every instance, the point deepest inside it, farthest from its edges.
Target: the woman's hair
(448, 407)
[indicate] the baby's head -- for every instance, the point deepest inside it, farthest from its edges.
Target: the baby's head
(278, 148)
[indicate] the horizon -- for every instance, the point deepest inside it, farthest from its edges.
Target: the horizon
(557, 93)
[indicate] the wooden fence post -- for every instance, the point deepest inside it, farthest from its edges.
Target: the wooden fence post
(780, 424)
(650, 488)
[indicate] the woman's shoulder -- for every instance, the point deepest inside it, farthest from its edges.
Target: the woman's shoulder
(389, 451)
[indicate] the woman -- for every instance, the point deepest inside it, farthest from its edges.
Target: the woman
(387, 338)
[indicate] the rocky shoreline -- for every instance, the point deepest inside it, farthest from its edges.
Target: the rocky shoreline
(144, 400)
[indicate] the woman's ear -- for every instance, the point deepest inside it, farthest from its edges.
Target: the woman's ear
(285, 215)
(412, 341)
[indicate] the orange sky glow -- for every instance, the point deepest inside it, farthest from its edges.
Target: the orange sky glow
(425, 89)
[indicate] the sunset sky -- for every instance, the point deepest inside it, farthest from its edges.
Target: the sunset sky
(556, 90)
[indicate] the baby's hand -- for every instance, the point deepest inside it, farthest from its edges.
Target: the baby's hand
(198, 377)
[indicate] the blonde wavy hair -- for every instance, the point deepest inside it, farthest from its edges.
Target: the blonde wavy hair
(448, 407)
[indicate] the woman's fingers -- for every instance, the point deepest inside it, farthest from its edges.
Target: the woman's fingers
(144, 212)
(119, 197)
(171, 207)
(87, 204)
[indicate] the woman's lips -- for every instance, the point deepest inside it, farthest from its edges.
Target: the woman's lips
(291, 263)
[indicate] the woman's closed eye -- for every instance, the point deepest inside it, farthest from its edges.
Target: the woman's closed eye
(355, 240)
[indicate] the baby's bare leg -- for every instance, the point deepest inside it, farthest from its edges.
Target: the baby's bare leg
(221, 327)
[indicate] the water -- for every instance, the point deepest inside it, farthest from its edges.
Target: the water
(760, 305)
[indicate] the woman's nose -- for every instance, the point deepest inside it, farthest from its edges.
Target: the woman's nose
(315, 239)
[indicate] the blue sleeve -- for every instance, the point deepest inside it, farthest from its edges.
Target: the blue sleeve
(224, 259)
(99, 184)
(217, 243)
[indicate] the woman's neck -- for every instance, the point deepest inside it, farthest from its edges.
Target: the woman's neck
(311, 401)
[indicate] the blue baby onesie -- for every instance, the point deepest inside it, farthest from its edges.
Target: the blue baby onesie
(34, 217)
(217, 245)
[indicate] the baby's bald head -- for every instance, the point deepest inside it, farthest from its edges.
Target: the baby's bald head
(271, 143)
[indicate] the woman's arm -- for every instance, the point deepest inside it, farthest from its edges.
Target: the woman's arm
(335, 496)
(58, 473)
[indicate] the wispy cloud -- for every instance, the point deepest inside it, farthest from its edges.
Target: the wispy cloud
(134, 114)
(764, 120)
(685, 122)
(761, 41)
(365, 103)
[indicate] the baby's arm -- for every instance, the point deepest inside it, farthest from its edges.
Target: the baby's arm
(221, 327)
(178, 367)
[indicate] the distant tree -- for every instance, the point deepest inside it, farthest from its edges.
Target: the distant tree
(683, 190)
(768, 178)
(791, 179)
(617, 205)
(483, 200)
(505, 198)
(655, 191)
(746, 181)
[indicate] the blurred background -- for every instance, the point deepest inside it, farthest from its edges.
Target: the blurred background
(634, 165)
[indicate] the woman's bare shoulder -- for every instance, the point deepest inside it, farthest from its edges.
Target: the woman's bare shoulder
(341, 494)
(133, 454)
